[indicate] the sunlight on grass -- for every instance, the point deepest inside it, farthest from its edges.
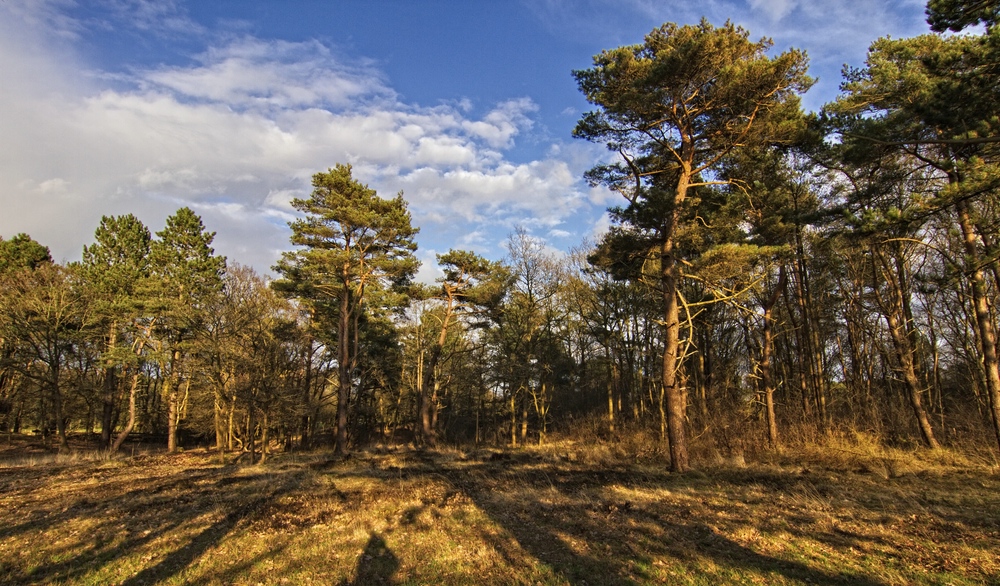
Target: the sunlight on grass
(451, 518)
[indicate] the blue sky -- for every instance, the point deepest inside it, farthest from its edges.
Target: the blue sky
(229, 107)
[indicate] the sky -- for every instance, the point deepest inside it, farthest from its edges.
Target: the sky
(229, 107)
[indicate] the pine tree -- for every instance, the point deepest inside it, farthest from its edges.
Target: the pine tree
(673, 108)
(188, 274)
(353, 242)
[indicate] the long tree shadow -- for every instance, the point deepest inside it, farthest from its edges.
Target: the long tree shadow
(584, 541)
(178, 560)
(957, 506)
(109, 506)
(128, 518)
(124, 523)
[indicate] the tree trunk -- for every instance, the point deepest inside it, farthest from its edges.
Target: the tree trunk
(540, 400)
(263, 436)
(57, 405)
(524, 416)
(217, 420)
(810, 352)
(252, 432)
(343, 369)
(612, 380)
(429, 406)
(229, 427)
(131, 413)
(703, 375)
(513, 419)
(173, 401)
(306, 423)
(914, 389)
(424, 400)
(435, 406)
(674, 395)
(108, 404)
(902, 342)
(16, 426)
(109, 389)
(987, 333)
(172, 414)
(765, 361)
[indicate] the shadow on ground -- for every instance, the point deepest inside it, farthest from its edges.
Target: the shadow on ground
(124, 516)
(157, 519)
(585, 539)
(377, 564)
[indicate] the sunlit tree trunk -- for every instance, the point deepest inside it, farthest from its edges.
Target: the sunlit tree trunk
(987, 333)
(140, 344)
(109, 389)
(171, 389)
(130, 424)
(765, 360)
(670, 273)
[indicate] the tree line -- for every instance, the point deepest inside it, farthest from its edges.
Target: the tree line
(770, 274)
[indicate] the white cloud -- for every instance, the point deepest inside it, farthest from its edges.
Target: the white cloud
(774, 9)
(251, 73)
(280, 200)
(429, 271)
(604, 197)
(475, 240)
(499, 126)
(600, 227)
(32, 16)
(238, 134)
(546, 190)
(158, 16)
(55, 186)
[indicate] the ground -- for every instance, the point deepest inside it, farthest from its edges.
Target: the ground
(542, 516)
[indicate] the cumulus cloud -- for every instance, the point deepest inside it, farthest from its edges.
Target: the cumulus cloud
(543, 188)
(252, 73)
(429, 271)
(238, 133)
(499, 127)
(600, 227)
(236, 128)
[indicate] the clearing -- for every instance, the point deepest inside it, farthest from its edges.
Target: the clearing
(488, 517)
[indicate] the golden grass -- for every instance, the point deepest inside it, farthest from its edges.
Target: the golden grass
(560, 514)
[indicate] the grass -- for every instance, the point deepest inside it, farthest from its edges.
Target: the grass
(559, 515)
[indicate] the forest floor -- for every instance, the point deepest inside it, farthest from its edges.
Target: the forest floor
(536, 516)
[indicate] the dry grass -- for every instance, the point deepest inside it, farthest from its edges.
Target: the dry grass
(561, 514)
